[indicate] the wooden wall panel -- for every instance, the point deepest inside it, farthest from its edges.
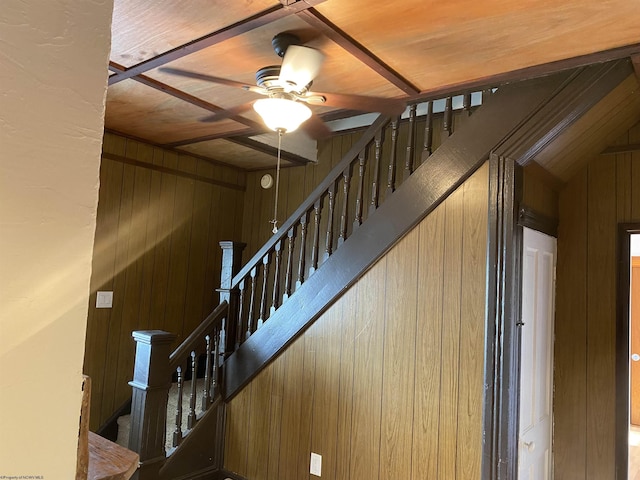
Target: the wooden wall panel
(370, 385)
(156, 247)
(600, 196)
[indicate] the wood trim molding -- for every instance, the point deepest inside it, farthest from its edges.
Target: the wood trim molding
(615, 149)
(502, 337)
(584, 88)
(172, 171)
(530, 218)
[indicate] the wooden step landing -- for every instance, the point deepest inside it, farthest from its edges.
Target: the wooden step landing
(110, 461)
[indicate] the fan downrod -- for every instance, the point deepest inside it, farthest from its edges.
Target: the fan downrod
(282, 41)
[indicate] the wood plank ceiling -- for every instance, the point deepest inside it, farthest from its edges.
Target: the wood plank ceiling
(406, 50)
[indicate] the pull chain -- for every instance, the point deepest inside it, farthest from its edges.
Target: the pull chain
(275, 208)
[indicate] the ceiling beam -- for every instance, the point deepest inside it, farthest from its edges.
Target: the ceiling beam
(174, 92)
(206, 138)
(168, 148)
(333, 32)
(269, 150)
(528, 73)
(243, 26)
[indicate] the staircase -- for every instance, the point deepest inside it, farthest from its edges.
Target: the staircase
(382, 188)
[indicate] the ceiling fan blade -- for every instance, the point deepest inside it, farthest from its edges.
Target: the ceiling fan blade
(300, 66)
(228, 112)
(389, 106)
(205, 77)
(316, 128)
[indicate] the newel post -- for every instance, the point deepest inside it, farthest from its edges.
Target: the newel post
(151, 382)
(231, 263)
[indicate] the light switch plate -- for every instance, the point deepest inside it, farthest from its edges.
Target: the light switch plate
(316, 465)
(104, 299)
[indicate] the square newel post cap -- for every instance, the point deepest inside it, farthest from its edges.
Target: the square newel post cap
(153, 337)
(225, 244)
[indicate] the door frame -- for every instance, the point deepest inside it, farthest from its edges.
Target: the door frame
(625, 231)
(507, 217)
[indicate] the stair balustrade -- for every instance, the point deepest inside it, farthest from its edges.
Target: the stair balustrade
(368, 174)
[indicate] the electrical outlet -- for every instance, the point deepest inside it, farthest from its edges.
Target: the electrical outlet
(316, 465)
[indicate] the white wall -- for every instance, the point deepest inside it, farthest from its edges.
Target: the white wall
(53, 70)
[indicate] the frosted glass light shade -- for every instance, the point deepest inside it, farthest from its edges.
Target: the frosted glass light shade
(280, 114)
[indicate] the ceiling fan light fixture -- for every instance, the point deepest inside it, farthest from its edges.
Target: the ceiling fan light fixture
(299, 67)
(281, 114)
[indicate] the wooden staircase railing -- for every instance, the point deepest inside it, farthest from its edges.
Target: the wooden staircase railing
(385, 156)
(265, 305)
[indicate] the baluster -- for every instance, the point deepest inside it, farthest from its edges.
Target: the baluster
(362, 159)
(241, 287)
(408, 161)
(391, 179)
(263, 299)
(447, 124)
(375, 185)
(252, 301)
(466, 103)
(346, 176)
(428, 133)
(303, 249)
(177, 432)
(316, 236)
(216, 364)
(191, 420)
(288, 276)
(328, 244)
(275, 301)
(205, 391)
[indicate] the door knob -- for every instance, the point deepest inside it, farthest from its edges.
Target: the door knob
(635, 357)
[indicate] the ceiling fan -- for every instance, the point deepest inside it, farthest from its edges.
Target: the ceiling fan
(287, 87)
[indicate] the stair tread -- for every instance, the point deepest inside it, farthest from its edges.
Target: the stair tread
(110, 461)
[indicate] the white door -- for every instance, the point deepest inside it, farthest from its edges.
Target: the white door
(536, 371)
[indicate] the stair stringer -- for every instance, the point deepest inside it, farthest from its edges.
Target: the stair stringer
(514, 114)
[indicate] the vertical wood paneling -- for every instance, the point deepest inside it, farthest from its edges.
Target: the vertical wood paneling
(293, 359)
(399, 359)
(601, 307)
(257, 449)
(428, 346)
(98, 320)
(362, 386)
(345, 327)
(450, 336)
(156, 247)
(473, 288)
(570, 353)
(367, 373)
(603, 194)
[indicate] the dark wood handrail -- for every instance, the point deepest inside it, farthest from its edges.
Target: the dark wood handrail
(185, 348)
(335, 173)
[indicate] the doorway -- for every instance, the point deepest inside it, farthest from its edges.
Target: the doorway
(634, 359)
(628, 355)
